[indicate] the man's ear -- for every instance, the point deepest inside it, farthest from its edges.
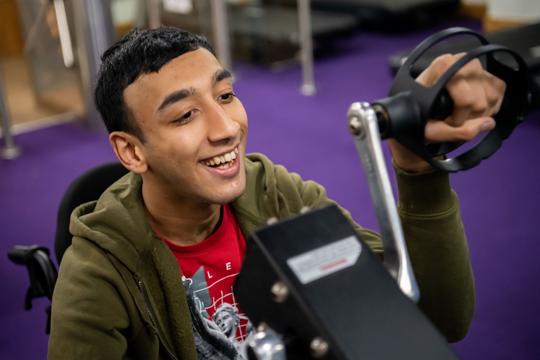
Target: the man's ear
(129, 150)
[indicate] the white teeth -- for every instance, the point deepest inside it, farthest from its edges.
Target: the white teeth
(223, 160)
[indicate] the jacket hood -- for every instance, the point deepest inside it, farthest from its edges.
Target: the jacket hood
(116, 222)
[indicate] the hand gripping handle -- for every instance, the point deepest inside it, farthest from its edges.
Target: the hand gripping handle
(404, 114)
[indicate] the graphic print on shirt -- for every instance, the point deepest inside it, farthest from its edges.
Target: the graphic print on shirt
(218, 311)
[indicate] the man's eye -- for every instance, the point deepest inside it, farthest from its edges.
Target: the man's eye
(226, 98)
(184, 118)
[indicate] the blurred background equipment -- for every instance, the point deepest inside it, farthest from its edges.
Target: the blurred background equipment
(265, 32)
(391, 15)
(47, 64)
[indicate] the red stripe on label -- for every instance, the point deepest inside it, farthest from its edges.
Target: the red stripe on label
(332, 264)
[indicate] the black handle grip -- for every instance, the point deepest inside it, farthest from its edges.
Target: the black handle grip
(442, 107)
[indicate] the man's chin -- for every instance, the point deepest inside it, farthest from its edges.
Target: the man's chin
(230, 195)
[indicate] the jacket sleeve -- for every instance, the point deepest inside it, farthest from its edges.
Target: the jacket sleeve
(431, 220)
(89, 320)
(436, 240)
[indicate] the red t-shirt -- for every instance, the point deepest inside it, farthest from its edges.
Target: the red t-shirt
(210, 269)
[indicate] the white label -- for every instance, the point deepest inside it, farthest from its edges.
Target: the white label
(535, 51)
(178, 6)
(325, 260)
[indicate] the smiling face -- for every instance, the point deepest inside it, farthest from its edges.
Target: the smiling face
(194, 130)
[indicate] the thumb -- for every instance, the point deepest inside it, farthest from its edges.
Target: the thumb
(440, 131)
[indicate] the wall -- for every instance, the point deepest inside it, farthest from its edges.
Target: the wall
(518, 10)
(499, 14)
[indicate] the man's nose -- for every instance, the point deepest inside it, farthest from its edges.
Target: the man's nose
(221, 126)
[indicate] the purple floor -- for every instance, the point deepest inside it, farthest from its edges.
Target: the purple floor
(309, 135)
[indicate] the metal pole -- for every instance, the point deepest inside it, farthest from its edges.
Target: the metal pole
(154, 14)
(9, 150)
(306, 47)
(95, 33)
(221, 32)
(63, 31)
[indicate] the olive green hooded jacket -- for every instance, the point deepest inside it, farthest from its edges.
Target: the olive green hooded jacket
(119, 294)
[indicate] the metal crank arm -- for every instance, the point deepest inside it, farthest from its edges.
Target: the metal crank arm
(364, 127)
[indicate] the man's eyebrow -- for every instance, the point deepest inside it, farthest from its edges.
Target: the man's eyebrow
(221, 75)
(178, 95)
(174, 97)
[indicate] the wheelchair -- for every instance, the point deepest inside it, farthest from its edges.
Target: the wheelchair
(42, 270)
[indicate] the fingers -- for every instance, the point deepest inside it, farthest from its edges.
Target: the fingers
(465, 105)
(440, 131)
(466, 88)
(435, 70)
(477, 96)
(493, 90)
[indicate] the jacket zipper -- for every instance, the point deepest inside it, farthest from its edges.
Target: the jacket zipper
(153, 319)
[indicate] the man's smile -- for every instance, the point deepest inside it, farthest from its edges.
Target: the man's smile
(222, 159)
(225, 164)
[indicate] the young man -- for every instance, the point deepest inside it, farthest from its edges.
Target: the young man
(150, 271)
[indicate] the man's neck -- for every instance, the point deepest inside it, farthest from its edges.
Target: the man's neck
(178, 220)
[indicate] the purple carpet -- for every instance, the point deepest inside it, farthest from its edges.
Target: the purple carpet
(309, 135)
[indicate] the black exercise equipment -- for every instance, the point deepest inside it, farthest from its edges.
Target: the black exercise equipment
(325, 295)
(269, 34)
(266, 33)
